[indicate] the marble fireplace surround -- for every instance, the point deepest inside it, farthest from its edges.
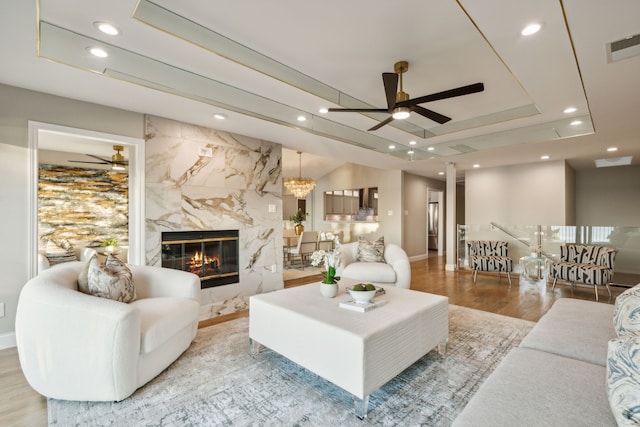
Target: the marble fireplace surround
(199, 178)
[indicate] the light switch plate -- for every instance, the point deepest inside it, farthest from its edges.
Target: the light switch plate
(272, 208)
(205, 152)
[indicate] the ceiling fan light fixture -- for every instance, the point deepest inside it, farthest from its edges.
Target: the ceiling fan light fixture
(117, 167)
(299, 187)
(401, 113)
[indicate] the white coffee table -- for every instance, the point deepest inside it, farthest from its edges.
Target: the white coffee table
(358, 352)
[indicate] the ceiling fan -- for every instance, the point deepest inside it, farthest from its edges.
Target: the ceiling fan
(117, 162)
(400, 106)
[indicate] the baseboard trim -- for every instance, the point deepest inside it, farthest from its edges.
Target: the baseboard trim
(418, 257)
(7, 340)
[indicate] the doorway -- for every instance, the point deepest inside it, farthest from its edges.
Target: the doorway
(435, 222)
(72, 140)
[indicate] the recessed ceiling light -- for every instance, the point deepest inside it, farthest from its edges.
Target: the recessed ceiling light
(476, 165)
(545, 157)
(612, 149)
(412, 143)
(440, 173)
(99, 52)
(392, 147)
(219, 116)
(301, 118)
(323, 110)
(576, 122)
(106, 28)
(430, 149)
(569, 110)
(530, 29)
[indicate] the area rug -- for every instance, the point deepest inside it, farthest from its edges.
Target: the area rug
(217, 383)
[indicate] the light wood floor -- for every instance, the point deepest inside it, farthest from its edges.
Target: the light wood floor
(21, 406)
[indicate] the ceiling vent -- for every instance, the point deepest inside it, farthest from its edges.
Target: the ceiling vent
(622, 49)
(615, 161)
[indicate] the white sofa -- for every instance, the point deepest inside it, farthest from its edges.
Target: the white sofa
(556, 377)
(395, 271)
(75, 346)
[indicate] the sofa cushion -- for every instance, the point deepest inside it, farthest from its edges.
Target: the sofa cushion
(371, 251)
(574, 328)
(626, 312)
(113, 280)
(531, 387)
(377, 272)
(161, 318)
(623, 379)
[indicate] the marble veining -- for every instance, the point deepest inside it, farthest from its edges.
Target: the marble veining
(232, 189)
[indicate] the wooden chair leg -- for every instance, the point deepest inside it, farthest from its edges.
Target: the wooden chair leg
(555, 279)
(509, 277)
(474, 276)
(595, 288)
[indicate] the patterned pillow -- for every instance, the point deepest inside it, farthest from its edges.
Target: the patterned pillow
(623, 379)
(371, 251)
(626, 311)
(113, 280)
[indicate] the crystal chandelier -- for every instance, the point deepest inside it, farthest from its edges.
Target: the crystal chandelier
(299, 187)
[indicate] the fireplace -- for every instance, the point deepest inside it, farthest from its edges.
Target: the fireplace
(211, 255)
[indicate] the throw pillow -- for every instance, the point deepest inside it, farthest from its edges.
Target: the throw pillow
(623, 379)
(113, 280)
(58, 252)
(371, 251)
(626, 311)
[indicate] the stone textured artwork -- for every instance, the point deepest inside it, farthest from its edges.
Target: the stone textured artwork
(231, 190)
(82, 205)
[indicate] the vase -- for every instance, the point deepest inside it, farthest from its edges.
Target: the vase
(299, 228)
(328, 290)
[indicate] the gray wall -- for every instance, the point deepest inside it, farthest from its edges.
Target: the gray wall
(415, 195)
(18, 106)
(608, 196)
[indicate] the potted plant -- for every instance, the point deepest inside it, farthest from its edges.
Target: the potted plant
(297, 219)
(109, 245)
(331, 260)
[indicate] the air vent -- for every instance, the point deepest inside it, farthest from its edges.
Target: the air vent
(463, 148)
(622, 49)
(615, 161)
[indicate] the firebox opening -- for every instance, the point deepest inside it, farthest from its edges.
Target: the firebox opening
(212, 255)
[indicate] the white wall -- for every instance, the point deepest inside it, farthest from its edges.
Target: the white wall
(529, 194)
(351, 176)
(18, 106)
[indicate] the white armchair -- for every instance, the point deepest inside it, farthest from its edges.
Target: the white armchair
(395, 271)
(75, 346)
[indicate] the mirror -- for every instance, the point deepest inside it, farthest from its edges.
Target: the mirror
(351, 205)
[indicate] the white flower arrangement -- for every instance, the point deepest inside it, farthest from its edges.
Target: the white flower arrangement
(331, 260)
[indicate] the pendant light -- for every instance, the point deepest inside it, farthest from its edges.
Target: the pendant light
(299, 187)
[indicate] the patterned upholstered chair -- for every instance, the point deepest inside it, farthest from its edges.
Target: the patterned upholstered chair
(587, 264)
(489, 255)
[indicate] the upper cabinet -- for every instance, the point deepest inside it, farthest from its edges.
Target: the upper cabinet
(351, 205)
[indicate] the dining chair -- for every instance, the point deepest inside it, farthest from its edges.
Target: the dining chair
(307, 243)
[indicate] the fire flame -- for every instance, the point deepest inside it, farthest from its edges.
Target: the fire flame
(199, 259)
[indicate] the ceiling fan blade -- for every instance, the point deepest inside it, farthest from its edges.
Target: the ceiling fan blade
(429, 114)
(462, 90)
(99, 158)
(358, 110)
(382, 123)
(93, 163)
(390, 81)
